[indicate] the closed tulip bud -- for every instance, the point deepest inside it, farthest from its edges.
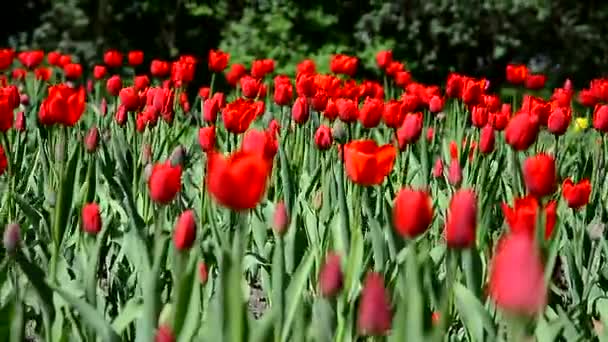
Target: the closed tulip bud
(250, 86)
(330, 276)
(374, 314)
(522, 131)
(479, 116)
(184, 232)
(338, 132)
(103, 107)
(323, 137)
(91, 218)
(129, 98)
(486, 140)
(435, 104)
(410, 130)
(12, 237)
(121, 115)
(91, 140)
(438, 168)
(280, 219)
(178, 156)
(141, 82)
(24, 99)
(461, 222)
(203, 274)
(371, 113)
(454, 173)
(516, 281)
(147, 172)
(206, 138)
(539, 175)
(20, 122)
(300, 111)
(164, 182)
(559, 120)
(600, 118)
(317, 200)
(164, 334)
(410, 201)
(114, 85)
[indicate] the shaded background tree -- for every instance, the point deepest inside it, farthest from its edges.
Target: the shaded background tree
(562, 37)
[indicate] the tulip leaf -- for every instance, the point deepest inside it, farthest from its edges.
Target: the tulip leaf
(473, 314)
(295, 292)
(131, 311)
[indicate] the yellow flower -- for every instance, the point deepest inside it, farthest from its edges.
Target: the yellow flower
(581, 124)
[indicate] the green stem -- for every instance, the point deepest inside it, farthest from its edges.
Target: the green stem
(344, 228)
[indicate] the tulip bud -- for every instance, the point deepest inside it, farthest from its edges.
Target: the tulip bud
(91, 140)
(91, 218)
(323, 137)
(12, 237)
(435, 104)
(121, 115)
(203, 274)
(487, 139)
(103, 107)
(280, 219)
(178, 156)
(374, 313)
(164, 334)
(339, 132)
(20, 122)
(331, 277)
(317, 200)
(24, 99)
(438, 168)
(455, 173)
(185, 231)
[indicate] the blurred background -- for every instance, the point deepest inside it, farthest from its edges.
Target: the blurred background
(563, 38)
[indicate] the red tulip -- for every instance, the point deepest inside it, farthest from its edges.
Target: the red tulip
(235, 73)
(184, 232)
(42, 73)
(135, 58)
(6, 58)
(522, 130)
(562, 97)
(20, 122)
(260, 68)
(600, 118)
(63, 105)
(210, 110)
(576, 195)
(283, 92)
(479, 116)
(410, 130)
(306, 66)
(472, 91)
(218, 60)
(438, 168)
(203, 275)
(347, 110)
(342, 64)
(121, 115)
(559, 120)
(238, 115)
(371, 113)
(206, 138)
(53, 58)
(516, 281)
(323, 138)
(539, 175)
(19, 74)
(410, 201)
(3, 161)
(91, 219)
(331, 110)
(141, 82)
(159, 68)
(114, 85)
(112, 59)
(535, 81)
(461, 220)
(487, 139)
(305, 85)
(435, 104)
(263, 143)
(586, 98)
(367, 163)
(393, 68)
(384, 58)
(522, 217)
(374, 313)
(164, 334)
(91, 140)
(250, 86)
(517, 74)
(330, 276)
(239, 181)
(537, 107)
(129, 98)
(31, 59)
(280, 220)
(164, 182)
(393, 114)
(454, 173)
(403, 78)
(182, 70)
(99, 72)
(300, 111)
(204, 92)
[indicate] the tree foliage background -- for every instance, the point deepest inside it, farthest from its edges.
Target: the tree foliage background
(565, 38)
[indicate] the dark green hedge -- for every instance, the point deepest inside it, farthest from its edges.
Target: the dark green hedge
(565, 38)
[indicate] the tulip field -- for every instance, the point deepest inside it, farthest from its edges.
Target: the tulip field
(314, 206)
